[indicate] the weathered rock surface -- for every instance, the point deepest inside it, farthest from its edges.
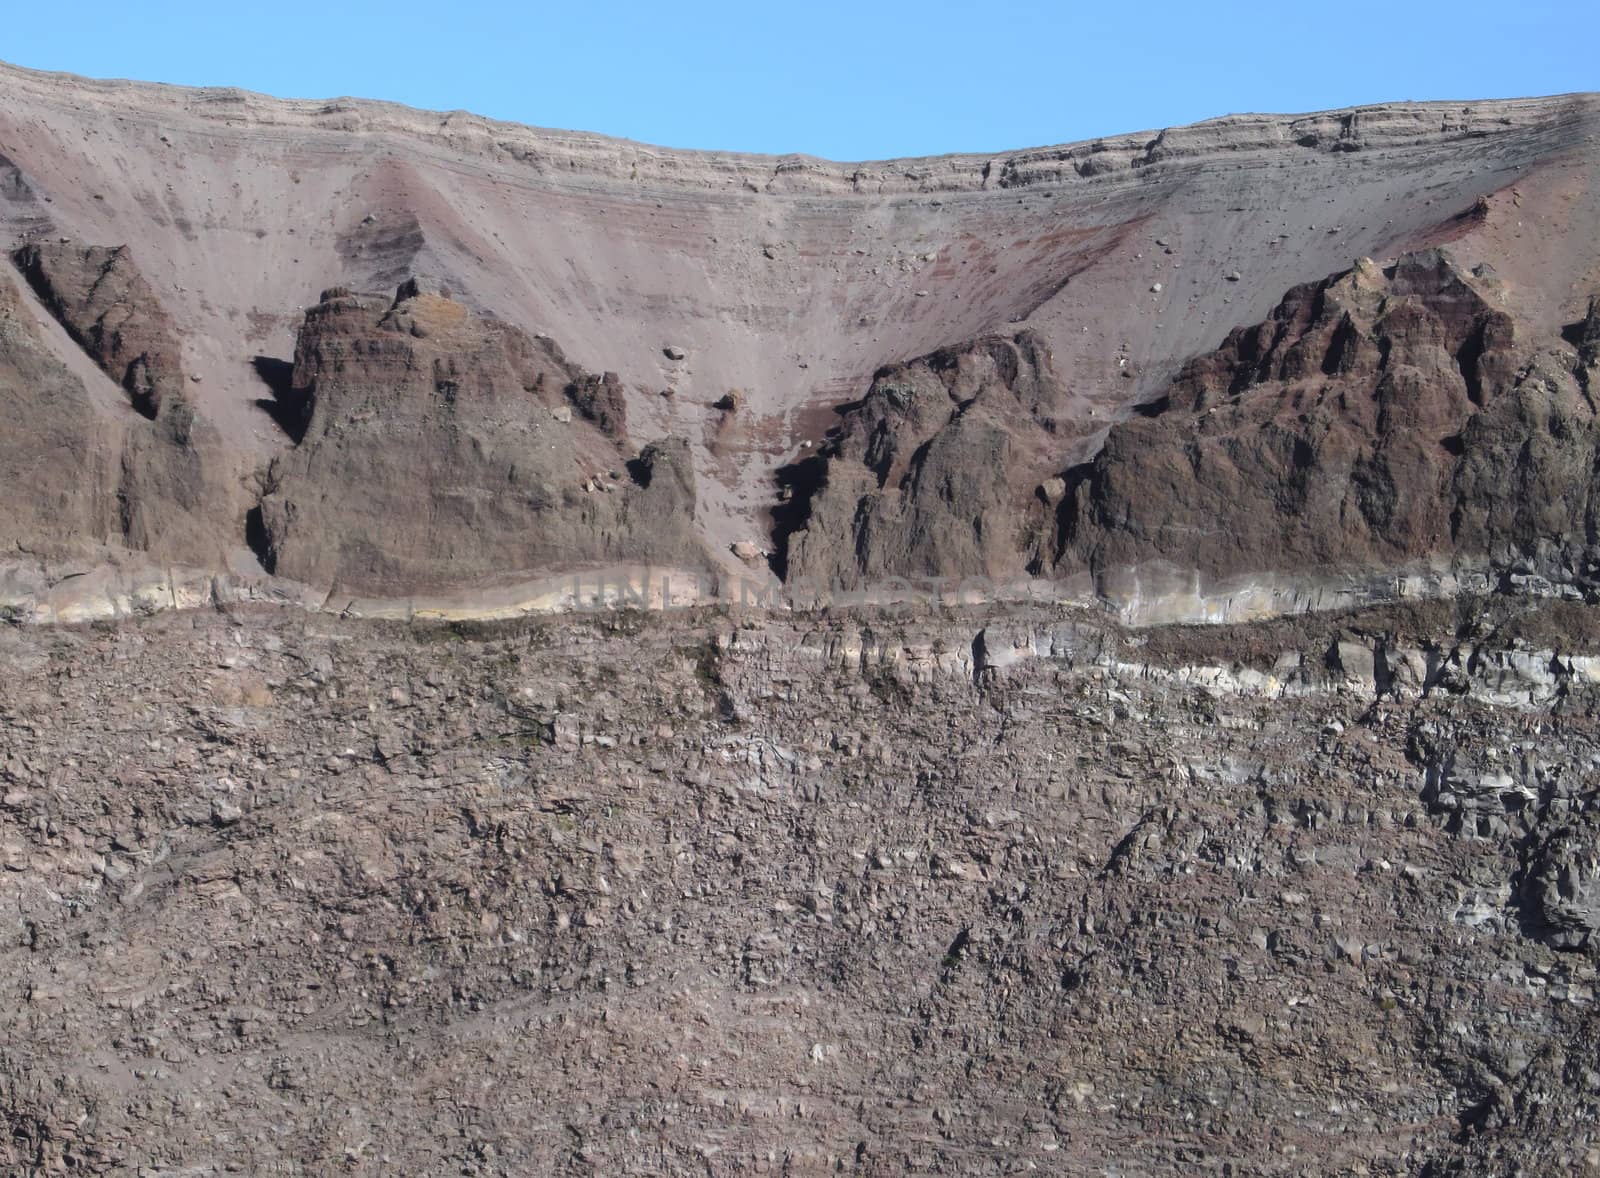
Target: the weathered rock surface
(921, 479)
(81, 476)
(1379, 419)
(688, 895)
(57, 468)
(368, 886)
(440, 450)
(1564, 885)
(106, 305)
(788, 279)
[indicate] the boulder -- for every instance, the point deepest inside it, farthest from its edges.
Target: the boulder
(1564, 885)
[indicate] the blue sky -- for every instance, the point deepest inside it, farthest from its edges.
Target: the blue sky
(850, 81)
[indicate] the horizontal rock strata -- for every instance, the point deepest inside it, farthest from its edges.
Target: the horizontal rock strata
(442, 448)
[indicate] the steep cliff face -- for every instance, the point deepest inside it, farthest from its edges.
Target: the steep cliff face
(442, 448)
(154, 480)
(929, 475)
(56, 460)
(1378, 419)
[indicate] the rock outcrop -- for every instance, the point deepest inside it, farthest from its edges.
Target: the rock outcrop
(100, 297)
(151, 480)
(56, 459)
(930, 473)
(442, 449)
(1563, 884)
(1379, 419)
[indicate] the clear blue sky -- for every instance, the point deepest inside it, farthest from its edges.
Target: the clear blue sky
(860, 80)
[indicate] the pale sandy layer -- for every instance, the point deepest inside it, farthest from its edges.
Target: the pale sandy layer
(1149, 596)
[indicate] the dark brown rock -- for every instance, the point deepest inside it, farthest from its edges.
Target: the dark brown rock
(1589, 336)
(173, 500)
(56, 458)
(1563, 887)
(441, 450)
(80, 476)
(932, 472)
(103, 301)
(600, 399)
(1376, 419)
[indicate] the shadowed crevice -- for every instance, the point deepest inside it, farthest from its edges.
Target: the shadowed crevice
(256, 537)
(798, 484)
(288, 406)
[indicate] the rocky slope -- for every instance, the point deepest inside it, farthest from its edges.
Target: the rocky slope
(984, 893)
(969, 876)
(763, 294)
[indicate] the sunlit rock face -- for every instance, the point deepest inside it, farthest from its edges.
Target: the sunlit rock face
(1378, 420)
(892, 369)
(678, 663)
(442, 449)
